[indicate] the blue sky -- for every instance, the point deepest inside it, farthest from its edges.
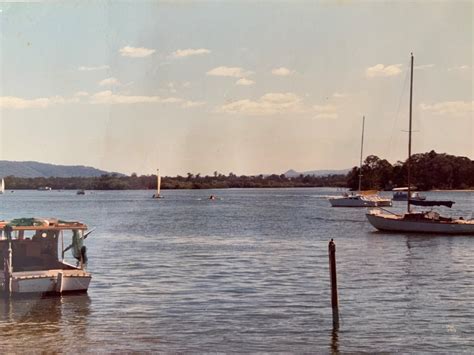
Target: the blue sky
(245, 87)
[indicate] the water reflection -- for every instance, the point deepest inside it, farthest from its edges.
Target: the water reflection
(56, 322)
(335, 340)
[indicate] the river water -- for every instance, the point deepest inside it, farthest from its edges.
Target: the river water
(248, 273)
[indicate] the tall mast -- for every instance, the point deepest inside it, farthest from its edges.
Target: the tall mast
(409, 137)
(361, 154)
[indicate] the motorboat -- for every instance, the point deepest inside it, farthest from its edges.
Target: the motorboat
(32, 263)
(401, 194)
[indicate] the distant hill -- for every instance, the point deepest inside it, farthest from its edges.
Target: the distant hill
(293, 173)
(31, 169)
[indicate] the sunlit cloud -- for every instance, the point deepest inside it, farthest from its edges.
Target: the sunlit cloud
(181, 53)
(81, 94)
(339, 95)
(325, 111)
(19, 103)
(381, 70)
(244, 82)
(268, 104)
(109, 82)
(109, 98)
(278, 104)
(423, 66)
(233, 72)
(136, 52)
(459, 68)
(452, 108)
(100, 67)
(282, 71)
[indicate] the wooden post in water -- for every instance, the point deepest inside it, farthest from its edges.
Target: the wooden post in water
(333, 276)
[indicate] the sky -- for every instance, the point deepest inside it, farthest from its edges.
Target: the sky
(246, 87)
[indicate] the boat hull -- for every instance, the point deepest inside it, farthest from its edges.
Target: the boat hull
(358, 202)
(388, 224)
(50, 281)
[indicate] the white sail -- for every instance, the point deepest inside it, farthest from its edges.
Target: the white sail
(2, 186)
(158, 182)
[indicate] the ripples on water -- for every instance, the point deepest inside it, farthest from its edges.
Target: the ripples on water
(246, 273)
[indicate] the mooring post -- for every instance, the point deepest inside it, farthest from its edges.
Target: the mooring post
(333, 276)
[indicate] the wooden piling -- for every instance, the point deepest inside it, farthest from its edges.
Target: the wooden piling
(333, 277)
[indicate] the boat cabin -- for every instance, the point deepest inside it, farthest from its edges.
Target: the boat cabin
(33, 249)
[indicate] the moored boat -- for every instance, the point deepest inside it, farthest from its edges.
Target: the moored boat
(361, 199)
(32, 264)
(418, 222)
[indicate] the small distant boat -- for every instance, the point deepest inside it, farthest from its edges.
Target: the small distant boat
(44, 188)
(360, 199)
(401, 194)
(212, 197)
(80, 192)
(2, 186)
(31, 260)
(158, 185)
(419, 222)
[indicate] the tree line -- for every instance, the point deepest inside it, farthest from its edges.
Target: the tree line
(191, 181)
(428, 171)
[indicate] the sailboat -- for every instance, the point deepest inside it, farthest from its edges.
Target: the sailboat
(158, 185)
(2, 186)
(360, 199)
(418, 222)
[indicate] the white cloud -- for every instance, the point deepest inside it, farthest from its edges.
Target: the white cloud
(339, 95)
(459, 68)
(325, 111)
(171, 87)
(381, 70)
(282, 71)
(186, 85)
(453, 108)
(100, 67)
(109, 98)
(233, 72)
(19, 103)
(109, 82)
(81, 94)
(181, 53)
(244, 82)
(424, 66)
(268, 104)
(136, 52)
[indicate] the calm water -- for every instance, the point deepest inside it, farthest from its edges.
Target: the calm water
(247, 273)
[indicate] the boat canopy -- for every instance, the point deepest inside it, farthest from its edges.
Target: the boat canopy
(41, 223)
(431, 203)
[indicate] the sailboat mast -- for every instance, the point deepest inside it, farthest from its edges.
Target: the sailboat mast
(361, 154)
(409, 136)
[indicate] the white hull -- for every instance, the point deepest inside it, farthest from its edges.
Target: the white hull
(2, 186)
(50, 281)
(395, 223)
(359, 201)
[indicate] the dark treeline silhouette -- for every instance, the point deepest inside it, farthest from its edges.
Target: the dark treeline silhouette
(428, 171)
(191, 181)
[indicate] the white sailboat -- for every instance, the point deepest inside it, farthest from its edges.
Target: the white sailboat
(158, 185)
(418, 222)
(2, 186)
(360, 199)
